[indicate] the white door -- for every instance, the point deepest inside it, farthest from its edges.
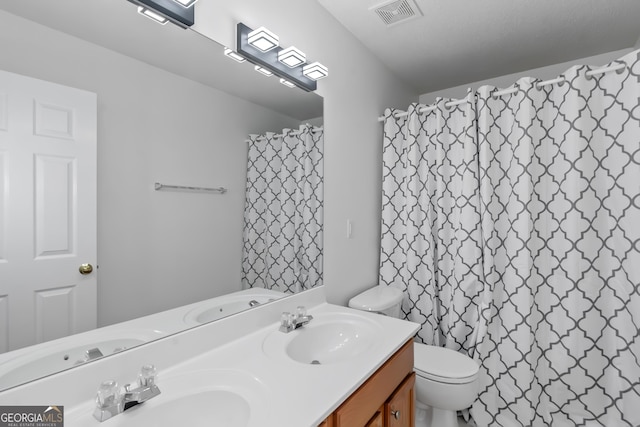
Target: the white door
(47, 210)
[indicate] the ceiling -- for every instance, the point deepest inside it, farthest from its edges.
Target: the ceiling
(182, 52)
(456, 42)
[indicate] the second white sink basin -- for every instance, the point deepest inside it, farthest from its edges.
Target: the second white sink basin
(198, 398)
(327, 339)
(206, 408)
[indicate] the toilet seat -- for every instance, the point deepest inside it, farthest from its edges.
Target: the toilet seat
(443, 364)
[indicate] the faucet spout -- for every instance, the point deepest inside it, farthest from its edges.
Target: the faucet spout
(303, 320)
(138, 395)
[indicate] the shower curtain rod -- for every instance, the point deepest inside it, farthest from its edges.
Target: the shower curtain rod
(295, 132)
(560, 80)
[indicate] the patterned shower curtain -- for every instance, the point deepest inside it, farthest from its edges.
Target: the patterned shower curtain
(430, 220)
(283, 217)
(548, 188)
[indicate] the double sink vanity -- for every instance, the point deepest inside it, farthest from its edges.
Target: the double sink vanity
(326, 366)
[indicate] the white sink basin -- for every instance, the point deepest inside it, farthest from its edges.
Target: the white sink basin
(206, 408)
(327, 339)
(199, 398)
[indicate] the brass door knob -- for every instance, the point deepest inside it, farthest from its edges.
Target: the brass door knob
(85, 269)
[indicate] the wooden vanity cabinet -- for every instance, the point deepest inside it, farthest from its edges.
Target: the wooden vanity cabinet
(386, 399)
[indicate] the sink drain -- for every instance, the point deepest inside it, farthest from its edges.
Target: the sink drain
(315, 362)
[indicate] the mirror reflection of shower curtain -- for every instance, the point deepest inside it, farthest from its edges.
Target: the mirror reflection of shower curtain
(283, 217)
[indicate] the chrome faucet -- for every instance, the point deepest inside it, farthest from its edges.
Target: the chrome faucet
(145, 390)
(111, 401)
(290, 321)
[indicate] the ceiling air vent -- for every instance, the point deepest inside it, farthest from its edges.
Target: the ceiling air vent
(397, 11)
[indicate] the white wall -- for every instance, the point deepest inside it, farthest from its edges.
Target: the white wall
(156, 250)
(357, 90)
(544, 73)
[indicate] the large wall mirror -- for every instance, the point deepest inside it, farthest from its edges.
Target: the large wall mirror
(171, 108)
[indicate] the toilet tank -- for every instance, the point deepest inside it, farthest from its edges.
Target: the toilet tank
(382, 299)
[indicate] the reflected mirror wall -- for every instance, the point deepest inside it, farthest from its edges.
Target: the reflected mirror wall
(172, 109)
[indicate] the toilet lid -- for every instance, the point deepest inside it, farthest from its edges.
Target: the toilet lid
(378, 298)
(443, 364)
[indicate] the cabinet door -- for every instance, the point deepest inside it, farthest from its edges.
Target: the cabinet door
(328, 422)
(399, 410)
(377, 420)
(358, 409)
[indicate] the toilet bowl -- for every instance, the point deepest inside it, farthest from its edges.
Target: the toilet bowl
(446, 380)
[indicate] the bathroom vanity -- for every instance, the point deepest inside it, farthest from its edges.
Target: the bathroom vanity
(342, 368)
(386, 399)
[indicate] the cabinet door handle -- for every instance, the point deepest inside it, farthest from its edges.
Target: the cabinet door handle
(396, 414)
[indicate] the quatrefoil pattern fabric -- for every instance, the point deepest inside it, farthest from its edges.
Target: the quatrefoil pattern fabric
(513, 224)
(283, 216)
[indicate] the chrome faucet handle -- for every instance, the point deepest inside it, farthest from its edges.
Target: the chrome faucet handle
(301, 311)
(109, 401)
(287, 322)
(147, 376)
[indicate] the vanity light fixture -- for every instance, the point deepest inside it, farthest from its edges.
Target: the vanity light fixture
(263, 39)
(233, 55)
(163, 11)
(151, 14)
(292, 57)
(287, 83)
(286, 63)
(263, 71)
(315, 71)
(186, 3)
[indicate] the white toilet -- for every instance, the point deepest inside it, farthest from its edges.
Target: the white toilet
(446, 381)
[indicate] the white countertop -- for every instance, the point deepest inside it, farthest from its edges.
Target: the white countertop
(243, 350)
